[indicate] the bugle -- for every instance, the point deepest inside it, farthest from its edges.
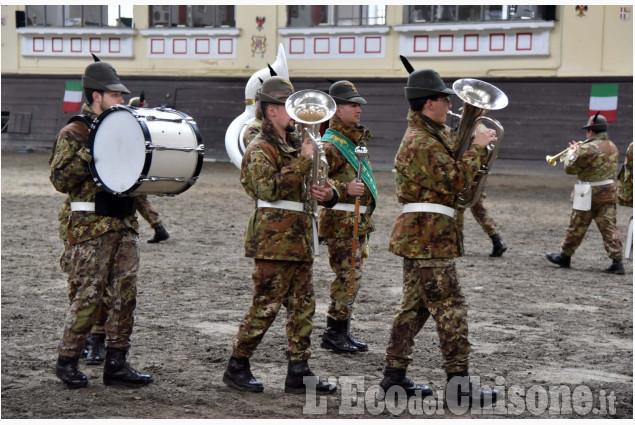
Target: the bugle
(553, 159)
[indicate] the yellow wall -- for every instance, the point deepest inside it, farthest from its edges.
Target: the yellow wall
(597, 44)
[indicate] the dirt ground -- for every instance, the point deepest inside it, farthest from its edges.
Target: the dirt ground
(532, 325)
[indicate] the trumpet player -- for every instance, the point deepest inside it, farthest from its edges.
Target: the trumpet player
(428, 180)
(336, 225)
(279, 239)
(595, 163)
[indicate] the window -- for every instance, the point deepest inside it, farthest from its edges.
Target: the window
(475, 13)
(335, 15)
(192, 16)
(79, 16)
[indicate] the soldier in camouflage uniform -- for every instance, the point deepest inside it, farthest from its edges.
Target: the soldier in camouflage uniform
(279, 238)
(429, 178)
(103, 236)
(336, 224)
(625, 196)
(625, 180)
(595, 164)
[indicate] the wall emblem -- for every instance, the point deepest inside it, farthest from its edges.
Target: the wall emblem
(260, 22)
(581, 10)
(258, 45)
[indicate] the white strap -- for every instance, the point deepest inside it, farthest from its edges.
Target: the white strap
(82, 206)
(428, 207)
(600, 183)
(340, 206)
(283, 205)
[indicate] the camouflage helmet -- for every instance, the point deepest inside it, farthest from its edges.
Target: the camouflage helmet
(102, 76)
(425, 82)
(345, 92)
(275, 90)
(596, 123)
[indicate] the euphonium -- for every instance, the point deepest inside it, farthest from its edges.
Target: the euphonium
(552, 159)
(479, 97)
(309, 108)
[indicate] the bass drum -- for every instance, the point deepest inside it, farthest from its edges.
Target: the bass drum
(139, 151)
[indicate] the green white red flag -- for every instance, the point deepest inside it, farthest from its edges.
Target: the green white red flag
(72, 96)
(604, 100)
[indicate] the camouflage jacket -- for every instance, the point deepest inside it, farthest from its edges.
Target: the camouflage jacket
(335, 223)
(625, 180)
(273, 170)
(252, 131)
(70, 174)
(427, 172)
(596, 160)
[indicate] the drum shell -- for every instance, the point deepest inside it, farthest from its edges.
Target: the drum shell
(145, 151)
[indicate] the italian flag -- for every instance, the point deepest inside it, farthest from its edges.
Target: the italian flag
(72, 96)
(604, 100)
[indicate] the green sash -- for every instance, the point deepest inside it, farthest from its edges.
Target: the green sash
(348, 149)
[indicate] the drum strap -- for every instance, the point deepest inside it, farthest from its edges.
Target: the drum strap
(81, 118)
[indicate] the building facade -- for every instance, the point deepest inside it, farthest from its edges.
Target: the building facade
(197, 58)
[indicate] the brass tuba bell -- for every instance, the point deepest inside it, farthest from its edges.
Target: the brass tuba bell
(479, 97)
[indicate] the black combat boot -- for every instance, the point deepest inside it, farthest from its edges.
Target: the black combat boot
(397, 377)
(460, 390)
(617, 267)
(118, 372)
(238, 375)
(361, 346)
(562, 260)
(97, 349)
(498, 246)
(160, 234)
(335, 337)
(68, 371)
(294, 383)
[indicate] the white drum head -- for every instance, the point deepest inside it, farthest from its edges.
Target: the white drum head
(119, 150)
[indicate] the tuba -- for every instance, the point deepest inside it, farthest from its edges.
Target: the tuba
(309, 108)
(478, 97)
(234, 144)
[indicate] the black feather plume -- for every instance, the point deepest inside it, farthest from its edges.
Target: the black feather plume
(406, 64)
(142, 98)
(271, 71)
(95, 58)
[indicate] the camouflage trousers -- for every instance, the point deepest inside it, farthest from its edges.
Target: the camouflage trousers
(276, 284)
(340, 256)
(102, 314)
(605, 216)
(147, 212)
(107, 264)
(430, 291)
(481, 216)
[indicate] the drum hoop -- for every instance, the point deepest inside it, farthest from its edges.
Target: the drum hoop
(91, 144)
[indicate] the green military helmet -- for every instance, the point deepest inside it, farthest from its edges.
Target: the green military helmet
(425, 82)
(275, 90)
(597, 123)
(102, 76)
(345, 92)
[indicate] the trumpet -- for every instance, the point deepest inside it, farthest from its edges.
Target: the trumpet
(553, 159)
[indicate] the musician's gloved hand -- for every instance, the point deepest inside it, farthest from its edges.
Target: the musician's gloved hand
(355, 188)
(307, 149)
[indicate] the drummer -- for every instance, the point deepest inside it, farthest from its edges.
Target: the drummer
(103, 235)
